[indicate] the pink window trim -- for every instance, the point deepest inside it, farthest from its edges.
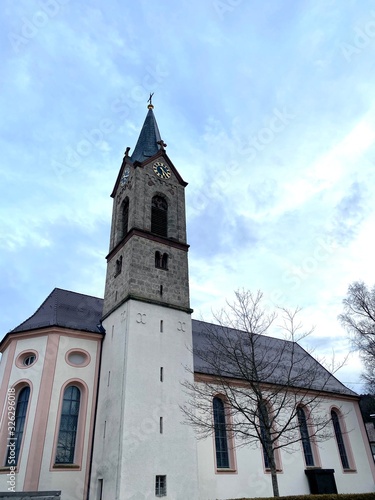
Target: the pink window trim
(230, 437)
(80, 438)
(345, 437)
(20, 384)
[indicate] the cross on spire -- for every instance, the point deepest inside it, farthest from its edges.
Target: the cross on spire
(149, 100)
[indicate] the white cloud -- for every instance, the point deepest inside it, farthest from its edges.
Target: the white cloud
(293, 217)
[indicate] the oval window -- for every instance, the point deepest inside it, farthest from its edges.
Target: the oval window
(26, 359)
(78, 358)
(29, 360)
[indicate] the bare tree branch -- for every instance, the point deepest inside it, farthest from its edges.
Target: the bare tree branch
(262, 380)
(358, 319)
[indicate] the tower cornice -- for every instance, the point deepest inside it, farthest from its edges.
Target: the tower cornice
(147, 301)
(148, 236)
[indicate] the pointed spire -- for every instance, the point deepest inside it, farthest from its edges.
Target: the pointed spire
(149, 140)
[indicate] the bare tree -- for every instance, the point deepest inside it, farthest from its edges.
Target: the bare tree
(266, 383)
(358, 319)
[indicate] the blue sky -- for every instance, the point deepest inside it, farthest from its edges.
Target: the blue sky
(268, 110)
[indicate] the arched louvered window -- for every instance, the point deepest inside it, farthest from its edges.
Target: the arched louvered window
(340, 439)
(124, 218)
(68, 425)
(14, 444)
(305, 437)
(159, 216)
(221, 434)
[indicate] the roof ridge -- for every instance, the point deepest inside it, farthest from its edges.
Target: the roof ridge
(257, 334)
(78, 293)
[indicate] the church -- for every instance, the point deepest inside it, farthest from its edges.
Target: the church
(91, 393)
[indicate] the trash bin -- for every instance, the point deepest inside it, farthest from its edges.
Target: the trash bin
(321, 481)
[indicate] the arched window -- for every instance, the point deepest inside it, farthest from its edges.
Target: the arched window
(164, 261)
(118, 266)
(157, 259)
(14, 444)
(221, 435)
(124, 218)
(68, 425)
(305, 437)
(159, 216)
(340, 439)
(265, 431)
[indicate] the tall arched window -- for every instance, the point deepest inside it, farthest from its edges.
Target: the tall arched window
(221, 435)
(124, 218)
(68, 425)
(264, 424)
(340, 439)
(14, 444)
(305, 437)
(159, 216)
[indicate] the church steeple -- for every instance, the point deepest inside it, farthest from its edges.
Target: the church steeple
(147, 258)
(147, 351)
(149, 139)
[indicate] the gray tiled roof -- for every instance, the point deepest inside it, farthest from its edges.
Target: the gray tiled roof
(277, 361)
(66, 309)
(147, 144)
(82, 312)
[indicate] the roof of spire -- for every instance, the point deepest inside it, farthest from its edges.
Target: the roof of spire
(147, 144)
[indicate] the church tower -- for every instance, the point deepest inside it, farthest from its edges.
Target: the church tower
(147, 260)
(142, 450)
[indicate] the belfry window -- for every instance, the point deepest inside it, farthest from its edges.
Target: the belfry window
(123, 220)
(221, 438)
(305, 437)
(118, 266)
(157, 259)
(164, 261)
(161, 261)
(159, 216)
(19, 425)
(68, 426)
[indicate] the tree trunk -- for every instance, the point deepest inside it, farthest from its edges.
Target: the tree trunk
(275, 484)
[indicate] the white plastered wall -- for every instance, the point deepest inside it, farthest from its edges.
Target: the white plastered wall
(250, 478)
(134, 451)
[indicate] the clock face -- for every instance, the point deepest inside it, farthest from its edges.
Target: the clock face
(125, 176)
(161, 170)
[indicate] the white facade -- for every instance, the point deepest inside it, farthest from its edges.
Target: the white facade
(47, 378)
(139, 432)
(249, 478)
